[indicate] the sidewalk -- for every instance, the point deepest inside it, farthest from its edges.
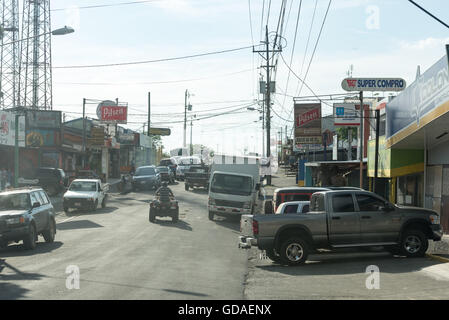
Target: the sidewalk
(279, 180)
(439, 249)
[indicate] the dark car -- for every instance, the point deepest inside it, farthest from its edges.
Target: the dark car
(146, 177)
(171, 163)
(166, 174)
(88, 174)
(24, 214)
(52, 180)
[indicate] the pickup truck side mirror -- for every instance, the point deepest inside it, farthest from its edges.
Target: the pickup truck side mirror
(36, 205)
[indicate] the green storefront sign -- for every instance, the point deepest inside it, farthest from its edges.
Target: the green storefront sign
(394, 162)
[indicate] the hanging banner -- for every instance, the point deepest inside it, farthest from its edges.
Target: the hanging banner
(8, 127)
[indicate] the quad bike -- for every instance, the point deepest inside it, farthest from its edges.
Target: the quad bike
(164, 209)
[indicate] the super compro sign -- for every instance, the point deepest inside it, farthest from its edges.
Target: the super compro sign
(373, 84)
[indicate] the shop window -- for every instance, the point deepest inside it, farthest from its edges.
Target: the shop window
(410, 190)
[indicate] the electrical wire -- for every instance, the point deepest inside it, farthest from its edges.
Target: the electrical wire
(109, 5)
(152, 61)
(153, 82)
(316, 45)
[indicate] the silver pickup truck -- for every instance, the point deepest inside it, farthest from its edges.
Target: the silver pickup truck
(341, 219)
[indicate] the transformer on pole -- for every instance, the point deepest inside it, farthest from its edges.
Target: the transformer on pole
(35, 89)
(9, 53)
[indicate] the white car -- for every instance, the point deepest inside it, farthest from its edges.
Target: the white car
(85, 194)
(293, 207)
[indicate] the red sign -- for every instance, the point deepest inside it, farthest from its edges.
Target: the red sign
(118, 114)
(307, 117)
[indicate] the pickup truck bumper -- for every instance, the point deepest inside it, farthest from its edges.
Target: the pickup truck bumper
(247, 242)
(437, 232)
(228, 210)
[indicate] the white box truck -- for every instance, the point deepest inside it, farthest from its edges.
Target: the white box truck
(235, 187)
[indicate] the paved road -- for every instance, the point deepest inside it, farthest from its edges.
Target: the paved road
(121, 255)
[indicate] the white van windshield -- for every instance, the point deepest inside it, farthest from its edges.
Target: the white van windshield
(231, 184)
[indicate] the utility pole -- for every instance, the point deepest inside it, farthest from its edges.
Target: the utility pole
(267, 52)
(191, 130)
(185, 119)
(361, 139)
(376, 161)
(84, 132)
(149, 126)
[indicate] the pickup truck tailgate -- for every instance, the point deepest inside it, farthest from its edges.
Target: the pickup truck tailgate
(246, 225)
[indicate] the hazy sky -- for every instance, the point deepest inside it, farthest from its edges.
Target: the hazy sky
(385, 38)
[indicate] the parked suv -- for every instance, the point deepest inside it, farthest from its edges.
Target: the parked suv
(53, 180)
(146, 177)
(24, 214)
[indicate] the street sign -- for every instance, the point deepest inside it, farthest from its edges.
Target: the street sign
(109, 112)
(348, 114)
(373, 84)
(160, 131)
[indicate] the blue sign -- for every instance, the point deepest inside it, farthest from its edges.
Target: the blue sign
(427, 93)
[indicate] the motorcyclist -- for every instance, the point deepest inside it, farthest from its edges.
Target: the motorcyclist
(164, 193)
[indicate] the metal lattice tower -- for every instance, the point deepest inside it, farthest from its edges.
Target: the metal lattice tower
(9, 53)
(35, 89)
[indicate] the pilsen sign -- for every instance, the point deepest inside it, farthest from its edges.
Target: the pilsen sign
(373, 84)
(110, 112)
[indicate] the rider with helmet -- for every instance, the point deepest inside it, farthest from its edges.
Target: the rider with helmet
(164, 193)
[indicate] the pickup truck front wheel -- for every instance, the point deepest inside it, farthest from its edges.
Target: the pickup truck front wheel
(414, 243)
(294, 251)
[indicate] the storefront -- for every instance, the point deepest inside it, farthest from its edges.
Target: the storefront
(417, 137)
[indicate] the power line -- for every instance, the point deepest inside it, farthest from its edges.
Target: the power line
(430, 14)
(152, 82)
(108, 5)
(316, 44)
(293, 51)
(152, 61)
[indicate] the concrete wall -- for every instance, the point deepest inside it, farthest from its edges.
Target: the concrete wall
(439, 154)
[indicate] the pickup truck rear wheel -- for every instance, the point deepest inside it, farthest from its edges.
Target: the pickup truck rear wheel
(294, 251)
(414, 243)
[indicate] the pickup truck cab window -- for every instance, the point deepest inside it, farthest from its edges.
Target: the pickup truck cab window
(369, 203)
(343, 203)
(292, 208)
(305, 209)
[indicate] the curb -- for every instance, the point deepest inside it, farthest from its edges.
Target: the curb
(438, 258)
